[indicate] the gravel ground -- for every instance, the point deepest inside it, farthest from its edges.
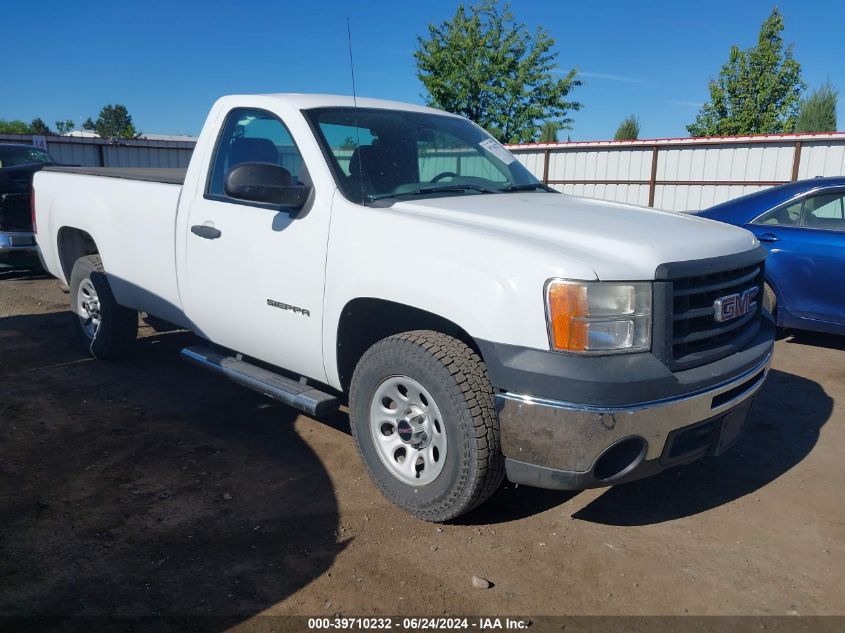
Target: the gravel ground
(148, 487)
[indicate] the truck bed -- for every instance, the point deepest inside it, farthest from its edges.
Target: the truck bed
(130, 214)
(173, 176)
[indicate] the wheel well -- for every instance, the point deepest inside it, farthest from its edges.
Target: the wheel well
(366, 321)
(72, 244)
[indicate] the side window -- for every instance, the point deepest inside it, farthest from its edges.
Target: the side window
(254, 136)
(789, 215)
(826, 211)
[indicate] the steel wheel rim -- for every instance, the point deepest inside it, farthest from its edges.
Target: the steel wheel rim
(88, 308)
(402, 408)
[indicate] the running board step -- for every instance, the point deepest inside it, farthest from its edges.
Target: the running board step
(296, 394)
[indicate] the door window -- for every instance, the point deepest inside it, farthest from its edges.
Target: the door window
(253, 136)
(789, 215)
(825, 211)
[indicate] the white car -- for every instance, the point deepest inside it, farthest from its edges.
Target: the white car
(479, 324)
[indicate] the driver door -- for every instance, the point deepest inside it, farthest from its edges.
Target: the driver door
(254, 271)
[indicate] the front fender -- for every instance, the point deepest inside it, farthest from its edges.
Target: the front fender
(490, 287)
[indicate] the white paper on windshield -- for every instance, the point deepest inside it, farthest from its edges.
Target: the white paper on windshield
(497, 150)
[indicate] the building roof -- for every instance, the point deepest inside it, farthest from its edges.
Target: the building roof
(186, 138)
(687, 141)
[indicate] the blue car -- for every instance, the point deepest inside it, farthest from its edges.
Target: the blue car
(803, 226)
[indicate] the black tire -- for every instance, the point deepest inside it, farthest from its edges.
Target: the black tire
(457, 379)
(118, 328)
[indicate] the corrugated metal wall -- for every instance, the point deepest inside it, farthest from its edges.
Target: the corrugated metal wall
(675, 174)
(147, 155)
(84, 154)
(683, 174)
(96, 152)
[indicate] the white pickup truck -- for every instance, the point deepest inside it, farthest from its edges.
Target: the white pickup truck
(398, 259)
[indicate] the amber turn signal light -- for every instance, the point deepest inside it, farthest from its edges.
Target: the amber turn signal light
(568, 302)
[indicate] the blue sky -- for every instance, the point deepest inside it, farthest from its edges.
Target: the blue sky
(168, 61)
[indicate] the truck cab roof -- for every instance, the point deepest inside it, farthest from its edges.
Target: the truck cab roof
(306, 101)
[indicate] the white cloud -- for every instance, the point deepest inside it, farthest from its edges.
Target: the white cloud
(608, 77)
(686, 104)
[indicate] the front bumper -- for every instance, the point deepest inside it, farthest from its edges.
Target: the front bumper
(563, 445)
(17, 242)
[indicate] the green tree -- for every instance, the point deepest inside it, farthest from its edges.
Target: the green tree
(89, 125)
(628, 130)
(15, 126)
(39, 127)
(63, 127)
(548, 132)
(818, 111)
(114, 121)
(484, 65)
(348, 143)
(758, 90)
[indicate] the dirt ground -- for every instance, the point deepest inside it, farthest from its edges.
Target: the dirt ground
(147, 487)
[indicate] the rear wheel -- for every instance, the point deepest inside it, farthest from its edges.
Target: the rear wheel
(422, 414)
(104, 328)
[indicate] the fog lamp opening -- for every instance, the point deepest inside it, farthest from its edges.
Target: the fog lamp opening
(620, 459)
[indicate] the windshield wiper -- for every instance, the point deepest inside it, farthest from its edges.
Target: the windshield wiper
(427, 190)
(529, 187)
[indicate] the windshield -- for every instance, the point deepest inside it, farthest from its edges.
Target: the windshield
(12, 156)
(395, 154)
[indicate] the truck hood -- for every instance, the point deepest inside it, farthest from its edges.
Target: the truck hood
(617, 241)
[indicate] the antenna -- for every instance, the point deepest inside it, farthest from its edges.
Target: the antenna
(355, 109)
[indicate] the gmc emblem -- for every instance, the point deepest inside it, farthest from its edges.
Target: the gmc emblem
(733, 306)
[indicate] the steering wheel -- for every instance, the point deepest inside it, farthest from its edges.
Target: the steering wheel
(444, 174)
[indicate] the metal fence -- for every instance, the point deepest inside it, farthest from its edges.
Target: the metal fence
(683, 174)
(675, 174)
(98, 152)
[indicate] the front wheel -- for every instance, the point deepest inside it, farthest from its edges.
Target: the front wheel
(104, 328)
(422, 414)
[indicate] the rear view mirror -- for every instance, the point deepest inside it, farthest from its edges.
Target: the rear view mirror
(265, 183)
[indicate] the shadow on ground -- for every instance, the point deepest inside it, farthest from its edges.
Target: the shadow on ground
(816, 339)
(21, 268)
(784, 426)
(512, 503)
(148, 488)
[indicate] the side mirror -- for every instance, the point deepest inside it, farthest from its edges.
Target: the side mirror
(266, 183)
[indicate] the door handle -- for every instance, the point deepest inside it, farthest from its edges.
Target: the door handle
(205, 231)
(768, 238)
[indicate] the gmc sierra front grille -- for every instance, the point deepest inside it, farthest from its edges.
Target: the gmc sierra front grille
(695, 335)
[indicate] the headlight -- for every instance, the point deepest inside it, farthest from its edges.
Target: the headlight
(598, 316)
